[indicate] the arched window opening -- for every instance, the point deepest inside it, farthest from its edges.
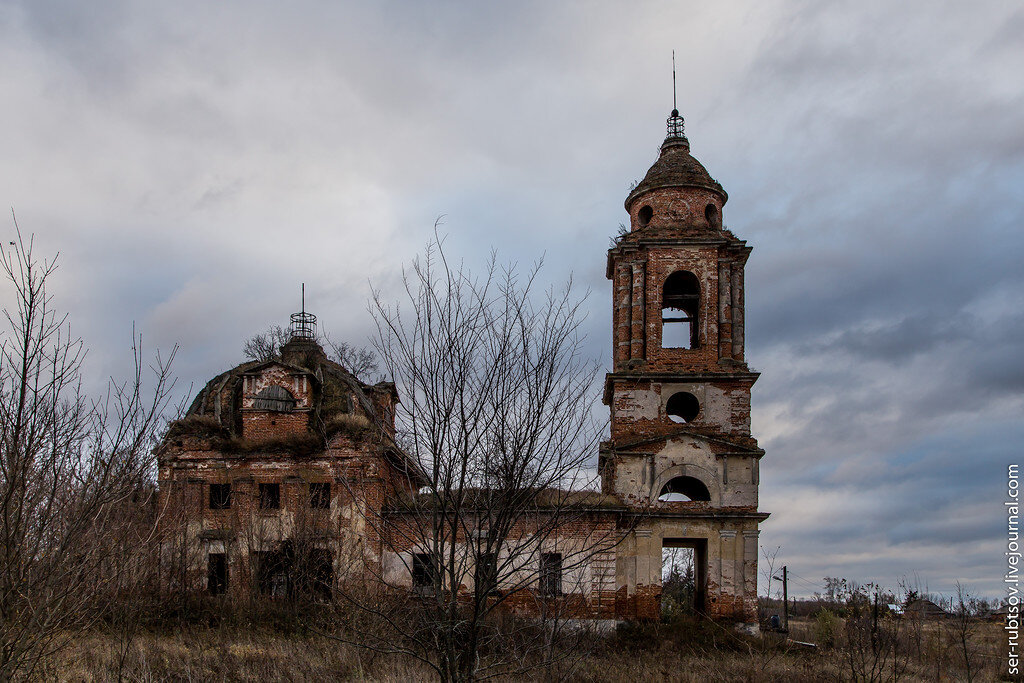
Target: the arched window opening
(683, 489)
(682, 407)
(275, 398)
(645, 215)
(711, 214)
(680, 299)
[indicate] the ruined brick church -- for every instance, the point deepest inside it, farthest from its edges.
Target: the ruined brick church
(280, 462)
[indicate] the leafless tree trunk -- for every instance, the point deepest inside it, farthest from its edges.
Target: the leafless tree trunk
(874, 643)
(768, 573)
(70, 468)
(497, 415)
(961, 628)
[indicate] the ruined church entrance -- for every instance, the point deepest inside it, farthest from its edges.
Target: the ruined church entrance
(683, 576)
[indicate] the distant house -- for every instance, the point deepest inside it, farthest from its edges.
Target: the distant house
(925, 609)
(999, 614)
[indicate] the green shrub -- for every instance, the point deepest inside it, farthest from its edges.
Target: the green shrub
(826, 628)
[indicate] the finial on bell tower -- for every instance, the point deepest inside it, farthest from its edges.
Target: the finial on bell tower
(303, 324)
(675, 109)
(675, 121)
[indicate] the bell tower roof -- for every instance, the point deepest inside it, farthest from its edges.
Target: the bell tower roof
(675, 166)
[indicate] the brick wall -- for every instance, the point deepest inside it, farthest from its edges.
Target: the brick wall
(263, 425)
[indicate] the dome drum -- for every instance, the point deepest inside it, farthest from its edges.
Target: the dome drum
(698, 208)
(676, 168)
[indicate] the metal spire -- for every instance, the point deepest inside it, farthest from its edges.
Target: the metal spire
(675, 121)
(675, 109)
(303, 324)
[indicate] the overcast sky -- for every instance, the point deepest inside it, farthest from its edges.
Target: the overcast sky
(194, 162)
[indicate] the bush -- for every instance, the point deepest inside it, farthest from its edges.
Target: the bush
(198, 426)
(826, 628)
(346, 423)
(301, 444)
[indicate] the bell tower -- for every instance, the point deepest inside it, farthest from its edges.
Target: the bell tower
(681, 453)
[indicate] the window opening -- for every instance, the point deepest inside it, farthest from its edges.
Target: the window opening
(684, 489)
(551, 574)
(680, 299)
(275, 398)
(318, 577)
(711, 214)
(217, 573)
(682, 407)
(645, 215)
(272, 575)
(270, 496)
(320, 495)
(220, 496)
(424, 572)
(485, 574)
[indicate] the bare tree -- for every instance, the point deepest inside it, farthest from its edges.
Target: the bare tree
(266, 345)
(359, 360)
(70, 468)
(768, 561)
(961, 629)
(875, 646)
(496, 415)
(678, 582)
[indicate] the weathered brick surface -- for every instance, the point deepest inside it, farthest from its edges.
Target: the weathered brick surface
(263, 425)
(674, 226)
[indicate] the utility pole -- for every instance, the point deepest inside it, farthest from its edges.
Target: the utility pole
(785, 597)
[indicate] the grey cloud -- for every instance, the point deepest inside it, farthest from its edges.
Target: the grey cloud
(195, 162)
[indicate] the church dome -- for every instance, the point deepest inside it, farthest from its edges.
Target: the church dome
(675, 167)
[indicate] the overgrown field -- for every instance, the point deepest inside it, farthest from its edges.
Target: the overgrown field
(686, 650)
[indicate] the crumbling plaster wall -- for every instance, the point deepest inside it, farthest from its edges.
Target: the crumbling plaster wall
(730, 571)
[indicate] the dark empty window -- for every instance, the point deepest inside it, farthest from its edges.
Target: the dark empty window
(682, 407)
(550, 574)
(645, 215)
(683, 489)
(486, 573)
(318, 575)
(272, 573)
(217, 573)
(680, 299)
(320, 495)
(274, 398)
(270, 496)
(711, 214)
(220, 496)
(424, 572)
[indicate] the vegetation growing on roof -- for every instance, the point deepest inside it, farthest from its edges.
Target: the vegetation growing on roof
(348, 424)
(554, 499)
(302, 444)
(340, 402)
(199, 426)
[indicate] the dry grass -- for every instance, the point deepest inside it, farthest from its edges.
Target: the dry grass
(213, 654)
(678, 652)
(347, 423)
